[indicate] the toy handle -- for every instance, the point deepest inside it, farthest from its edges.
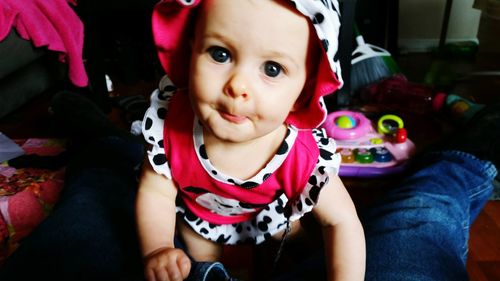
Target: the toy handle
(400, 134)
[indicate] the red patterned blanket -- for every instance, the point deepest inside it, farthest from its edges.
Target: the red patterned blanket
(27, 195)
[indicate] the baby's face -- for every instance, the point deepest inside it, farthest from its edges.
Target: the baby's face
(248, 66)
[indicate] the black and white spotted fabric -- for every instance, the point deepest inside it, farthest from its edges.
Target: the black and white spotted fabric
(271, 219)
(325, 16)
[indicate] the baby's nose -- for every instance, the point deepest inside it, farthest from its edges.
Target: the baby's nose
(237, 86)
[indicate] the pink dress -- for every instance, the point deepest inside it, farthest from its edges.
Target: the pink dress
(226, 209)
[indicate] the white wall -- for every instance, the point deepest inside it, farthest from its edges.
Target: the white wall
(420, 23)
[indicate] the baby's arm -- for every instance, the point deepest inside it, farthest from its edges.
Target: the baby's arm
(342, 232)
(155, 211)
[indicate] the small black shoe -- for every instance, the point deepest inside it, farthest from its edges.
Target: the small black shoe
(480, 136)
(133, 107)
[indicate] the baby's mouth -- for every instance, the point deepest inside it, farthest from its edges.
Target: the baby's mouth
(237, 119)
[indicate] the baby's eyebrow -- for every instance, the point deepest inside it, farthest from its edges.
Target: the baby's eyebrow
(276, 54)
(219, 37)
(215, 35)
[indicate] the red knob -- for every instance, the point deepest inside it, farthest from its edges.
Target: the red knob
(401, 135)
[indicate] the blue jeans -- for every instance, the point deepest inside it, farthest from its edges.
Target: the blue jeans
(419, 230)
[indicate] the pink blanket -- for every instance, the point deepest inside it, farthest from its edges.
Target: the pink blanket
(48, 23)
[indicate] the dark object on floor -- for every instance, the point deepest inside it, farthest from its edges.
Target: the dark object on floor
(134, 107)
(396, 93)
(480, 135)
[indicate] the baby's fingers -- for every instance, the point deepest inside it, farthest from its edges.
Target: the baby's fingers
(168, 264)
(158, 274)
(163, 274)
(184, 265)
(174, 272)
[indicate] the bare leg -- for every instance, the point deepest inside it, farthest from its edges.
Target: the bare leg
(199, 248)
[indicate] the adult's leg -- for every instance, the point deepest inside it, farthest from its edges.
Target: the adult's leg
(90, 235)
(420, 230)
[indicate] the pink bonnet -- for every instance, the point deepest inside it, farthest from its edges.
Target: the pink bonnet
(172, 24)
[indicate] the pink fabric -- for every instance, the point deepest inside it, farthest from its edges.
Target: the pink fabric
(169, 23)
(172, 22)
(48, 23)
(194, 181)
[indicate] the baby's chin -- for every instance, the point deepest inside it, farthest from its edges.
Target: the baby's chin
(230, 134)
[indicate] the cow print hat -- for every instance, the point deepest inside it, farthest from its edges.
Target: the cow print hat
(173, 22)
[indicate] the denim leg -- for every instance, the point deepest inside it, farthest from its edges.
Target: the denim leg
(420, 229)
(91, 234)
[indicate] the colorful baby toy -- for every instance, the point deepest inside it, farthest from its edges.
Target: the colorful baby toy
(366, 152)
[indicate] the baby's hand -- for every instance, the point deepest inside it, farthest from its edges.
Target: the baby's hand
(167, 264)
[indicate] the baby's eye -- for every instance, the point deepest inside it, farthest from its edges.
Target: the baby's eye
(219, 54)
(272, 69)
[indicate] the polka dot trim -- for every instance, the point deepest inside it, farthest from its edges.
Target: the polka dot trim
(256, 180)
(152, 126)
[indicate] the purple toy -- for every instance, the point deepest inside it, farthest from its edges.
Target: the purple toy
(364, 151)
